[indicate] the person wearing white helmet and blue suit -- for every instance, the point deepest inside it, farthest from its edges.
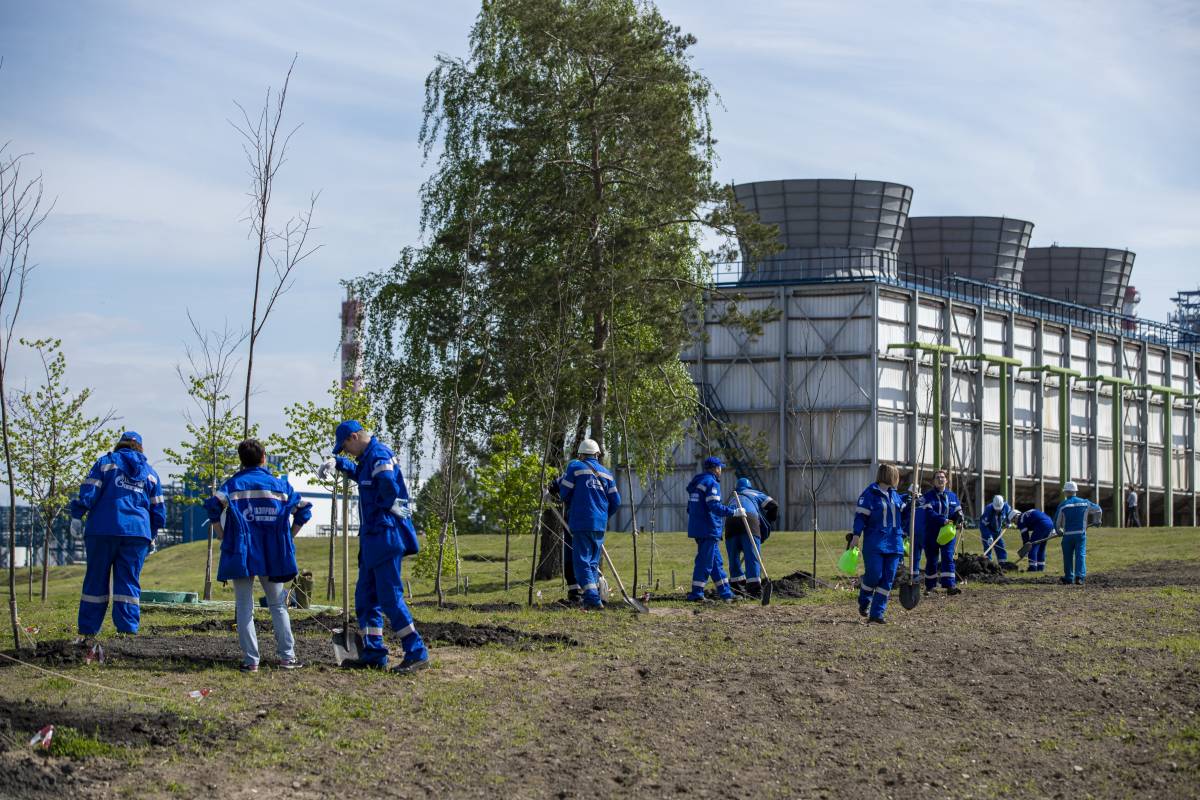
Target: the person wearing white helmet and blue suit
(1072, 519)
(386, 536)
(590, 494)
(1036, 528)
(992, 523)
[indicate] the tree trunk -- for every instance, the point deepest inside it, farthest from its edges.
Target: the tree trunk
(600, 332)
(46, 557)
(208, 567)
(550, 561)
(331, 584)
(12, 516)
(506, 535)
(31, 559)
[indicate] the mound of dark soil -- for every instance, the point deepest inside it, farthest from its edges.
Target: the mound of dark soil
(455, 634)
(19, 721)
(974, 567)
(797, 584)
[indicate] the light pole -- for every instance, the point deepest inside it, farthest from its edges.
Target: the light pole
(1005, 363)
(938, 351)
(1118, 438)
(1064, 416)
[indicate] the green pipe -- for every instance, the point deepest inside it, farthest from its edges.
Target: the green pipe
(1064, 416)
(1118, 440)
(1005, 363)
(937, 350)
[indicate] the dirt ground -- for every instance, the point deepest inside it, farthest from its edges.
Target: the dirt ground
(1020, 689)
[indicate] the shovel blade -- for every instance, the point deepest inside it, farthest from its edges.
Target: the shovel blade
(346, 647)
(637, 605)
(910, 595)
(768, 589)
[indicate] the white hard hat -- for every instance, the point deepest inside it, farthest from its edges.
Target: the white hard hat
(1014, 516)
(998, 502)
(1070, 486)
(588, 447)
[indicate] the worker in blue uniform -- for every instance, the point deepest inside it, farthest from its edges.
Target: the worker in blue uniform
(761, 512)
(1072, 519)
(879, 525)
(706, 520)
(992, 523)
(590, 494)
(1036, 528)
(937, 506)
(123, 501)
(250, 514)
(385, 536)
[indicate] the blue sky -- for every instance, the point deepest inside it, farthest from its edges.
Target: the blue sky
(1079, 116)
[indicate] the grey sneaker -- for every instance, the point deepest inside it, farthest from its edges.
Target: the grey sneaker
(291, 663)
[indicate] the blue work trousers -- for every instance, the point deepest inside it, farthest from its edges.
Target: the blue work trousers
(380, 592)
(876, 583)
(1000, 552)
(1074, 549)
(120, 559)
(739, 548)
(585, 555)
(1037, 553)
(939, 562)
(708, 565)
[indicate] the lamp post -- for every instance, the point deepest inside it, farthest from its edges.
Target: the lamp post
(1118, 447)
(1064, 415)
(938, 351)
(1005, 363)
(1168, 393)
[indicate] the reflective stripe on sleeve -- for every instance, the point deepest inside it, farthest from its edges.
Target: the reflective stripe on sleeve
(567, 483)
(712, 498)
(107, 467)
(92, 482)
(157, 499)
(382, 466)
(865, 511)
(612, 490)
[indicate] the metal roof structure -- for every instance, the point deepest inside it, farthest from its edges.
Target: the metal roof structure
(988, 249)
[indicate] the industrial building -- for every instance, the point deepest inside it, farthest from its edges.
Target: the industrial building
(1028, 369)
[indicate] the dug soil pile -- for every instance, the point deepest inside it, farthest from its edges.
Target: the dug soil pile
(974, 567)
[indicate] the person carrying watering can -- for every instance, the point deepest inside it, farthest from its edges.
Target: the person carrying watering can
(878, 523)
(936, 509)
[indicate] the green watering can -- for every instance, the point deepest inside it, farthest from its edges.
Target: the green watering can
(947, 533)
(848, 563)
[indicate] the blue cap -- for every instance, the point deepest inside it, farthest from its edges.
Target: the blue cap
(713, 461)
(343, 430)
(131, 436)
(743, 483)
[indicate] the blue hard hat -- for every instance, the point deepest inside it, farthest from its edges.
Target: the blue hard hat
(713, 461)
(343, 430)
(131, 436)
(743, 483)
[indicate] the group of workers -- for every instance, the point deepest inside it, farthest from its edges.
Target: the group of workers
(884, 517)
(257, 515)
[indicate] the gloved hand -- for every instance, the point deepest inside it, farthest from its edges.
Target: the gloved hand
(327, 468)
(738, 512)
(76, 526)
(552, 489)
(400, 510)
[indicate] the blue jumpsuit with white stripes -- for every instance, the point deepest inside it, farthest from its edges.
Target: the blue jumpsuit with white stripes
(591, 495)
(706, 522)
(878, 520)
(935, 510)
(123, 501)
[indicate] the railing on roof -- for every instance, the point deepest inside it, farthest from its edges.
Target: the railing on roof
(850, 269)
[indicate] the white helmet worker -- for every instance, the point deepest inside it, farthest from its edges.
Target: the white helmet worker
(1070, 487)
(588, 447)
(998, 502)
(1014, 517)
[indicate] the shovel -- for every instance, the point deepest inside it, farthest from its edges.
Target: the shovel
(768, 588)
(1025, 548)
(910, 590)
(995, 542)
(635, 604)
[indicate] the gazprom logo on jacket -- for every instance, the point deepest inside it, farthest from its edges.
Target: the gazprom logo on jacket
(130, 486)
(253, 513)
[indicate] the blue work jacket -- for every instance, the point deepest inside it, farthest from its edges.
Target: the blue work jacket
(706, 512)
(253, 508)
(1072, 515)
(382, 535)
(994, 521)
(121, 496)
(1035, 525)
(938, 508)
(879, 520)
(754, 502)
(590, 493)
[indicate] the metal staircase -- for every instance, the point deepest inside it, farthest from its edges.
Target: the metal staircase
(711, 411)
